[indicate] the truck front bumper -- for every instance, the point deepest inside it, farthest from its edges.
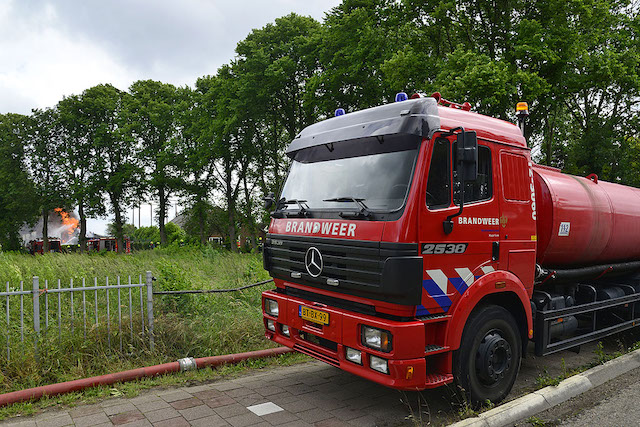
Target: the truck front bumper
(406, 366)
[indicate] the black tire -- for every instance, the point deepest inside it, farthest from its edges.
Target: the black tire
(487, 363)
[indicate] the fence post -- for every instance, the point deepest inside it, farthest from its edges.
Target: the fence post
(36, 312)
(150, 308)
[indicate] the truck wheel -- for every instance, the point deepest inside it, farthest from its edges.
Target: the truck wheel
(488, 360)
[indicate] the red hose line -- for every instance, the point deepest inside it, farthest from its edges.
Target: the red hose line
(133, 374)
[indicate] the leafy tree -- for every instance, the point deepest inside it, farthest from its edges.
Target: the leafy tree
(47, 167)
(216, 224)
(174, 233)
(146, 234)
(128, 230)
(217, 96)
(152, 233)
(118, 164)
(197, 152)
(17, 191)
(357, 37)
(150, 112)
(272, 73)
(603, 80)
(80, 162)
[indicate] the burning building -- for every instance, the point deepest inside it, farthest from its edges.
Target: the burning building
(64, 235)
(62, 230)
(68, 227)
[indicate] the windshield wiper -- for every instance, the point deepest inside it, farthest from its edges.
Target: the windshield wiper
(362, 213)
(303, 208)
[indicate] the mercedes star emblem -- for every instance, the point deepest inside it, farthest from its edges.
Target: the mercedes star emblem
(313, 262)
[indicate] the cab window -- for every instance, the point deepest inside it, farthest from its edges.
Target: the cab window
(439, 180)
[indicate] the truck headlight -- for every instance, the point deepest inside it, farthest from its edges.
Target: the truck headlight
(271, 325)
(354, 355)
(376, 338)
(285, 331)
(271, 307)
(379, 364)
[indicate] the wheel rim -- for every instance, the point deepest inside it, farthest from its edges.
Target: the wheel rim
(493, 358)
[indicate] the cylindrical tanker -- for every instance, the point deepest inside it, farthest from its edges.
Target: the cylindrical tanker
(583, 221)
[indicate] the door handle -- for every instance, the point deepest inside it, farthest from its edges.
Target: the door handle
(495, 251)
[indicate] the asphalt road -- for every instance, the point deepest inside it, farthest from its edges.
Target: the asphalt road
(620, 408)
(311, 393)
(614, 403)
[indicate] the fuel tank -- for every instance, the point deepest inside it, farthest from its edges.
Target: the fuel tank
(584, 221)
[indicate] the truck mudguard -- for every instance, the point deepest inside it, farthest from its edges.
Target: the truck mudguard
(495, 283)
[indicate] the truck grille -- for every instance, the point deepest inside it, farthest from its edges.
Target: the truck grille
(349, 266)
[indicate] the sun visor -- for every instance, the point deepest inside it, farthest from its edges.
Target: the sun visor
(415, 117)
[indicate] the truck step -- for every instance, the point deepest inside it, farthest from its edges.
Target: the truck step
(434, 348)
(432, 318)
(436, 380)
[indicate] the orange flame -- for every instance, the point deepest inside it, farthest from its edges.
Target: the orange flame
(69, 222)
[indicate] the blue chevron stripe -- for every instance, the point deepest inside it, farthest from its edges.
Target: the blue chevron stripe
(436, 293)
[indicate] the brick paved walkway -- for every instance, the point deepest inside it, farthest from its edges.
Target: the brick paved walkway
(309, 394)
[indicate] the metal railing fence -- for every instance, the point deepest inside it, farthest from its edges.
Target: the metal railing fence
(76, 308)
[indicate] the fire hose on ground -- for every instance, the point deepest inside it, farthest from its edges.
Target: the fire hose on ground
(134, 374)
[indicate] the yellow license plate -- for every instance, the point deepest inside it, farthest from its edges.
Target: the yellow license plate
(315, 316)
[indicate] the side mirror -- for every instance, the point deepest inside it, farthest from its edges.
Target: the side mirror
(268, 200)
(467, 167)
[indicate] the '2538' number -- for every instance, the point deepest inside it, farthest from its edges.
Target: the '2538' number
(443, 248)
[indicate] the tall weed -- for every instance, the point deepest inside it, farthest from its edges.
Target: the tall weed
(185, 325)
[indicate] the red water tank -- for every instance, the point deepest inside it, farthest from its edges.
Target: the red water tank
(583, 221)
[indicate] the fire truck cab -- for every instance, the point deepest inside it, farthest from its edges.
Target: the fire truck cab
(384, 270)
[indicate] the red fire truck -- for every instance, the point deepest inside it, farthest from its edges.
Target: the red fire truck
(415, 244)
(109, 244)
(37, 246)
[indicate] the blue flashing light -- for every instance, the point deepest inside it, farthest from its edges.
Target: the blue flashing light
(401, 96)
(340, 112)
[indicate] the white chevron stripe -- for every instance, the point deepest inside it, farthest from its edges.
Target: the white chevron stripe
(466, 275)
(487, 269)
(440, 278)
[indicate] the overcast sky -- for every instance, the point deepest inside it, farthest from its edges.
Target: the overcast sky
(56, 48)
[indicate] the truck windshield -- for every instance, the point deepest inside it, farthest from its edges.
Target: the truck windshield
(381, 181)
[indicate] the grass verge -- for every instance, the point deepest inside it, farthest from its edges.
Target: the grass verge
(185, 325)
(601, 356)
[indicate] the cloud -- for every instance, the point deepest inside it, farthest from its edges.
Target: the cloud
(42, 64)
(49, 48)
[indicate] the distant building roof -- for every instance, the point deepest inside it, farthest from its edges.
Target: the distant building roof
(180, 220)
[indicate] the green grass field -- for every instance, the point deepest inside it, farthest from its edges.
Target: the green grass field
(186, 325)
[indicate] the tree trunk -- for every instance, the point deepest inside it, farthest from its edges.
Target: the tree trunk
(118, 222)
(263, 168)
(232, 223)
(276, 160)
(250, 221)
(82, 239)
(45, 231)
(201, 212)
(231, 206)
(161, 215)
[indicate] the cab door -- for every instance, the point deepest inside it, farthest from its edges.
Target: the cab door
(452, 262)
(517, 221)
